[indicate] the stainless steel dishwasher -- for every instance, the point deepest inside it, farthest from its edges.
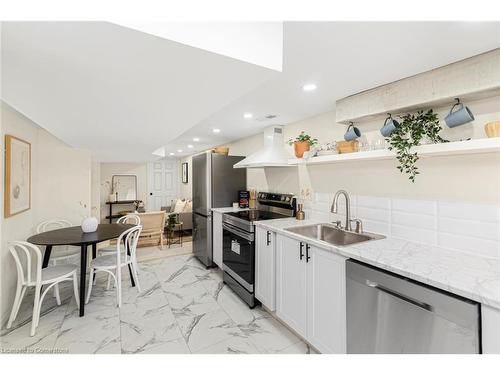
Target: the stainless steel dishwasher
(387, 313)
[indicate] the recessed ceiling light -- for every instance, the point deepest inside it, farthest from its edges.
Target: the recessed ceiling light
(171, 154)
(247, 115)
(196, 139)
(216, 130)
(179, 150)
(190, 146)
(309, 87)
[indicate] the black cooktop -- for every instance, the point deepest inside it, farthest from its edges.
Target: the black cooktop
(254, 215)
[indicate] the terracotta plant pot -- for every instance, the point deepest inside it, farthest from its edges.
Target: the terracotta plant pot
(300, 148)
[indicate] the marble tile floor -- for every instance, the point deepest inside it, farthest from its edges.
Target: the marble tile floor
(183, 308)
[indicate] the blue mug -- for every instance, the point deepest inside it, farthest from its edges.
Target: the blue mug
(352, 133)
(461, 116)
(389, 126)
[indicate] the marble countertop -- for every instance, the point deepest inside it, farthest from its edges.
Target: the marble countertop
(473, 277)
(224, 210)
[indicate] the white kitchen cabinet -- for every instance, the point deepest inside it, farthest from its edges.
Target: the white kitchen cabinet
(291, 284)
(326, 301)
(310, 293)
(490, 318)
(265, 267)
(217, 238)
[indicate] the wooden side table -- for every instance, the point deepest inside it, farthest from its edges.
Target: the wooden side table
(112, 215)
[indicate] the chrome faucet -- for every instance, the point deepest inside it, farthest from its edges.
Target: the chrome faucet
(348, 220)
(334, 208)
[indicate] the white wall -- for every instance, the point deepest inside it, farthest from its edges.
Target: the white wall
(60, 181)
(468, 178)
(95, 189)
(184, 190)
(107, 170)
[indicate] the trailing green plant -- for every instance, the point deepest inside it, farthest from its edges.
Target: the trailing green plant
(303, 137)
(411, 130)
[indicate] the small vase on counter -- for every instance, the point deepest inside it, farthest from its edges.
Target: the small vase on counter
(89, 224)
(300, 215)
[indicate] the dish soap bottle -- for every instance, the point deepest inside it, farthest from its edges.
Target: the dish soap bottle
(300, 215)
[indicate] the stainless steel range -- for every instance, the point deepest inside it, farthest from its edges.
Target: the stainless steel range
(238, 253)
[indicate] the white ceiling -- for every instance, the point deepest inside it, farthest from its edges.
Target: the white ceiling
(123, 94)
(118, 92)
(342, 58)
(259, 43)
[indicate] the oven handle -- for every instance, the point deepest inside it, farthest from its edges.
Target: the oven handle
(247, 236)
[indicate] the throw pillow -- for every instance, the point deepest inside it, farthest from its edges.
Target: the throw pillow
(189, 206)
(179, 205)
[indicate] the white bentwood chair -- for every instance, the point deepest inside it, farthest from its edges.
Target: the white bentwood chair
(59, 254)
(28, 258)
(115, 262)
(127, 219)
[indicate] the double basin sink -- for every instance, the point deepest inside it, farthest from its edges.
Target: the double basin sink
(333, 235)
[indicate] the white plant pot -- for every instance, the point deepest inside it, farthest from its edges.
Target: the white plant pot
(112, 197)
(89, 224)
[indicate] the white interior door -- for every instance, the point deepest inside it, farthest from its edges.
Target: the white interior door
(162, 183)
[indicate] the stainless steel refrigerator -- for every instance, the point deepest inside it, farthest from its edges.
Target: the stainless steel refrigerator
(215, 184)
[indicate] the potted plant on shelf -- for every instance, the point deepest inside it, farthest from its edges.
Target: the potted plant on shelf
(412, 130)
(302, 143)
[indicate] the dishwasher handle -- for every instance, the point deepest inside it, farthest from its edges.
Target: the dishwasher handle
(400, 296)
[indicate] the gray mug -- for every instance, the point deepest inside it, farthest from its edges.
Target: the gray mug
(352, 133)
(389, 126)
(461, 116)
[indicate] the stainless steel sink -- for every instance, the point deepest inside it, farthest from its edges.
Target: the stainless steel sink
(333, 235)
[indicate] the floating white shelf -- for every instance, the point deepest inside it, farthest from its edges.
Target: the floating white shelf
(474, 146)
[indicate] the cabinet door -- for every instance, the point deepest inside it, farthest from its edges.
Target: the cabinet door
(217, 238)
(326, 301)
(291, 284)
(265, 271)
(490, 330)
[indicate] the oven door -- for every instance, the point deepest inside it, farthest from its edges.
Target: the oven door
(238, 255)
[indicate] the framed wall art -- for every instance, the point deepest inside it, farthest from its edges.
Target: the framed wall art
(125, 187)
(17, 189)
(185, 173)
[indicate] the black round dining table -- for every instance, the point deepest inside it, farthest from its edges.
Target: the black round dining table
(74, 236)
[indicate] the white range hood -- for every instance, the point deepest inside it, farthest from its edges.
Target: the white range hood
(273, 154)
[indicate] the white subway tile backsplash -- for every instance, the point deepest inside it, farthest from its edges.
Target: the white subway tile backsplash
(374, 202)
(470, 228)
(414, 234)
(414, 220)
(377, 227)
(414, 206)
(365, 213)
(473, 245)
(469, 211)
(320, 215)
(462, 226)
(321, 206)
(323, 197)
